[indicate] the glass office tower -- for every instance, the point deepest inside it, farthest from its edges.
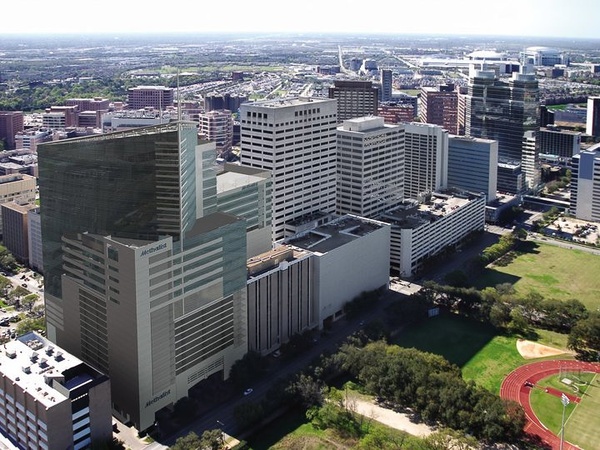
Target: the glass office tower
(145, 279)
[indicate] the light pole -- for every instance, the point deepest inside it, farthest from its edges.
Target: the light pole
(565, 401)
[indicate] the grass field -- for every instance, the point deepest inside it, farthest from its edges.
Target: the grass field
(482, 355)
(582, 425)
(552, 271)
(581, 420)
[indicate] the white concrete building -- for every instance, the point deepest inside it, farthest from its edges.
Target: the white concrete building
(351, 255)
(50, 399)
(420, 232)
(585, 184)
(425, 159)
(370, 166)
(296, 140)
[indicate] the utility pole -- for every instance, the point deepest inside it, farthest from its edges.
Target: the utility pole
(565, 401)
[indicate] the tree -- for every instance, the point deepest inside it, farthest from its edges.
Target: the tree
(310, 391)
(585, 335)
(457, 278)
(246, 370)
(212, 439)
(29, 301)
(30, 324)
(7, 260)
(189, 442)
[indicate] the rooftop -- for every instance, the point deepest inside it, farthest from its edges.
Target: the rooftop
(43, 370)
(334, 234)
(413, 215)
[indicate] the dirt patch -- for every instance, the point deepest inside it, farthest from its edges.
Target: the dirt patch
(532, 350)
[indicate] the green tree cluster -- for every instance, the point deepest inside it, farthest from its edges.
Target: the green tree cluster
(434, 389)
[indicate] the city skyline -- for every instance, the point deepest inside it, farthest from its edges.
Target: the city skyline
(550, 18)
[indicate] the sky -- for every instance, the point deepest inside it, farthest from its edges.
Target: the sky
(556, 18)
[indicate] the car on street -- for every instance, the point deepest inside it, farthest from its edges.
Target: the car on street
(248, 391)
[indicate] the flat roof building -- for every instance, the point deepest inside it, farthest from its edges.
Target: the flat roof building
(420, 232)
(157, 97)
(15, 229)
(585, 184)
(473, 165)
(354, 99)
(294, 139)
(50, 399)
(351, 256)
(19, 188)
(425, 159)
(370, 166)
(11, 123)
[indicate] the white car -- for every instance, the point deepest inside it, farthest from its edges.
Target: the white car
(248, 391)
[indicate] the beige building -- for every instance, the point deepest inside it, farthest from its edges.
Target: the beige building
(49, 399)
(18, 188)
(15, 229)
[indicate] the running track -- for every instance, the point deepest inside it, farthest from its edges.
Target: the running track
(513, 388)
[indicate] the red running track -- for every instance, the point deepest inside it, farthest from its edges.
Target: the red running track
(514, 388)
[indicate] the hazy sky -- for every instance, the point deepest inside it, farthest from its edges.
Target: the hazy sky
(559, 18)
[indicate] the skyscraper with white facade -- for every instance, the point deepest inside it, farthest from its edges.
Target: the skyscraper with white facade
(370, 166)
(585, 184)
(295, 139)
(425, 159)
(592, 124)
(145, 279)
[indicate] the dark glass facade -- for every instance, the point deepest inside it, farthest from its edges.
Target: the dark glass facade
(124, 184)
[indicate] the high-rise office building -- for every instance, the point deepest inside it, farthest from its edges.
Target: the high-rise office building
(530, 161)
(425, 159)
(472, 165)
(385, 79)
(354, 99)
(295, 139)
(217, 126)
(502, 111)
(144, 278)
(11, 123)
(592, 124)
(439, 106)
(15, 230)
(157, 97)
(370, 166)
(585, 184)
(556, 142)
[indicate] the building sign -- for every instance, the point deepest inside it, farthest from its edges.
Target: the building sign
(158, 397)
(151, 250)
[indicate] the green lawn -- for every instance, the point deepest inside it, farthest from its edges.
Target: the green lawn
(483, 356)
(581, 420)
(582, 425)
(552, 271)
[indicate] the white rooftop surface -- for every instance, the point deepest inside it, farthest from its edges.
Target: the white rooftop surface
(293, 101)
(227, 181)
(43, 359)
